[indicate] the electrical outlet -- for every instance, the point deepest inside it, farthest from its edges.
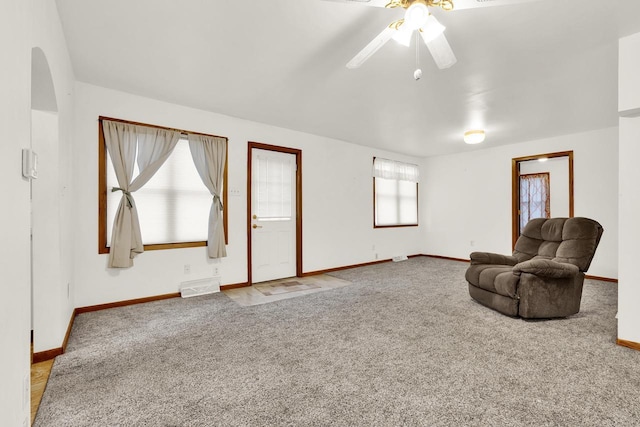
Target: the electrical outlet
(187, 269)
(472, 242)
(376, 256)
(216, 271)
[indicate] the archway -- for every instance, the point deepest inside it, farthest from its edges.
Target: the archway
(45, 209)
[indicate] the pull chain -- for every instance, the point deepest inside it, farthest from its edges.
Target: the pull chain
(417, 74)
(417, 50)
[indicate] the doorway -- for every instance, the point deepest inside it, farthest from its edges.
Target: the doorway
(274, 212)
(536, 178)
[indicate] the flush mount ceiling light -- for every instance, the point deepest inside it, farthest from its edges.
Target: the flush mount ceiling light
(475, 136)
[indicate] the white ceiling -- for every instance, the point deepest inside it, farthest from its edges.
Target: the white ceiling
(524, 72)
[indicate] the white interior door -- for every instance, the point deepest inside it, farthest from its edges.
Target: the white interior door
(273, 225)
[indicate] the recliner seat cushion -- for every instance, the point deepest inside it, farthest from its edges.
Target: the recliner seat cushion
(498, 279)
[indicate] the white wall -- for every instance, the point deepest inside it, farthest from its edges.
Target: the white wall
(468, 196)
(23, 25)
(337, 201)
(54, 188)
(628, 289)
(47, 322)
(558, 170)
(14, 216)
(628, 81)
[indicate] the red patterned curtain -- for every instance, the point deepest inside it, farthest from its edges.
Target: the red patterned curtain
(535, 197)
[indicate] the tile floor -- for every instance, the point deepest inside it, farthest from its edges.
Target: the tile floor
(276, 290)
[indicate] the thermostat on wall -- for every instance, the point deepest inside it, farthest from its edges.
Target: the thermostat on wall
(29, 164)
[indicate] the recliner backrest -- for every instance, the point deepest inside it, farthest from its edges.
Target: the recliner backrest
(570, 240)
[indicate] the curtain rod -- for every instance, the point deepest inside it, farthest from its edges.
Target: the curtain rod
(182, 131)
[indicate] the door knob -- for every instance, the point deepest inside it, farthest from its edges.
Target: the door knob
(257, 226)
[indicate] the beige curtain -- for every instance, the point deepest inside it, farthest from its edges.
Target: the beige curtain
(209, 156)
(153, 146)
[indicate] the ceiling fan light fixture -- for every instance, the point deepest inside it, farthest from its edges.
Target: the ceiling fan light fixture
(403, 35)
(416, 15)
(475, 136)
(432, 29)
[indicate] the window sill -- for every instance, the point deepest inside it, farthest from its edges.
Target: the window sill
(162, 246)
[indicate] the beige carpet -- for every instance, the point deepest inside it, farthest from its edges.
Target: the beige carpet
(402, 345)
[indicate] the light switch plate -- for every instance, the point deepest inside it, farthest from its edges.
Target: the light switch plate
(29, 164)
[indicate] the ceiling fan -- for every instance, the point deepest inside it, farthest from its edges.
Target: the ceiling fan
(418, 18)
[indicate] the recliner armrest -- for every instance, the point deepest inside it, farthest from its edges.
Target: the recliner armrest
(491, 258)
(546, 268)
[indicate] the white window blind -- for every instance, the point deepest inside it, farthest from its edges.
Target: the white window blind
(173, 207)
(274, 188)
(390, 169)
(396, 193)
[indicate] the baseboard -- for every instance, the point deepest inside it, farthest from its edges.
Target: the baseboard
(234, 286)
(317, 272)
(346, 267)
(448, 258)
(125, 303)
(41, 356)
(69, 327)
(628, 344)
(602, 279)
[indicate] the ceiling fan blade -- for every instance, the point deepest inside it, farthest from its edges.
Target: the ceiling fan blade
(441, 51)
(471, 4)
(371, 48)
(375, 3)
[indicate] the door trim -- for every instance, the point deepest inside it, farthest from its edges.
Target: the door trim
(298, 154)
(515, 187)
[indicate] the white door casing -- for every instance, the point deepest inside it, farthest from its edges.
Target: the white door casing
(273, 215)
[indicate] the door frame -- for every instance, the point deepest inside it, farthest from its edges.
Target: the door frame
(298, 154)
(515, 187)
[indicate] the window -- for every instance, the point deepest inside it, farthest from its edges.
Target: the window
(535, 200)
(173, 207)
(274, 187)
(395, 188)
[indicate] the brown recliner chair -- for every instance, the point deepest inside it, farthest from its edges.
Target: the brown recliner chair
(544, 276)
